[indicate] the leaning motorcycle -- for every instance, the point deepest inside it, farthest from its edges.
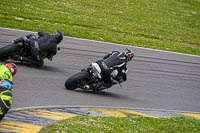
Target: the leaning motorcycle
(17, 51)
(89, 79)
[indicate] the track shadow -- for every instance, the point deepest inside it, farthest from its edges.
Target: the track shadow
(50, 68)
(44, 67)
(105, 93)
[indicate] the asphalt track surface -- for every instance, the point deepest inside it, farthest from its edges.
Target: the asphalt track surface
(156, 79)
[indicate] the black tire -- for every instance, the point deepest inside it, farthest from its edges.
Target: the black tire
(8, 50)
(73, 82)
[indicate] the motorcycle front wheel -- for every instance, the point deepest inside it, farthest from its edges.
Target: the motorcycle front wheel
(75, 81)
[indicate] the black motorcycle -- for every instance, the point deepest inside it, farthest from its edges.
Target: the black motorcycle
(17, 51)
(89, 79)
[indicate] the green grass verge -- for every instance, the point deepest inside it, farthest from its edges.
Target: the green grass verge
(130, 124)
(171, 25)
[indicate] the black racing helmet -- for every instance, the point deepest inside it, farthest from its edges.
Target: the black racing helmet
(128, 53)
(58, 35)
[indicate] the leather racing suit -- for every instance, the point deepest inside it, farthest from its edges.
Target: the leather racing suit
(113, 68)
(5, 101)
(43, 46)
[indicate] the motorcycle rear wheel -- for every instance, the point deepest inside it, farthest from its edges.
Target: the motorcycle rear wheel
(8, 50)
(75, 81)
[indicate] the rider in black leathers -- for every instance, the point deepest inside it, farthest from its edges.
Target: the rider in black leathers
(114, 66)
(44, 45)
